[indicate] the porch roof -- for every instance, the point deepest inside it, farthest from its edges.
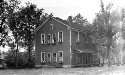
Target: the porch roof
(84, 51)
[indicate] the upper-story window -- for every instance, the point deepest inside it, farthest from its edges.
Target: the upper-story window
(42, 38)
(51, 26)
(88, 39)
(77, 37)
(54, 38)
(48, 39)
(86, 36)
(60, 36)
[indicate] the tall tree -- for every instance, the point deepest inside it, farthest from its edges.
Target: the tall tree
(79, 19)
(103, 29)
(23, 22)
(3, 23)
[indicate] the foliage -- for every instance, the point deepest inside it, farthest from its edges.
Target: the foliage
(80, 22)
(107, 30)
(22, 59)
(79, 19)
(21, 21)
(3, 23)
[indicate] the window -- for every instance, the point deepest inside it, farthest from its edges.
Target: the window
(86, 38)
(54, 57)
(60, 56)
(77, 57)
(51, 26)
(94, 57)
(77, 38)
(54, 38)
(42, 56)
(90, 40)
(48, 39)
(48, 57)
(60, 36)
(42, 38)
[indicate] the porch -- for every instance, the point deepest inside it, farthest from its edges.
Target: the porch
(86, 58)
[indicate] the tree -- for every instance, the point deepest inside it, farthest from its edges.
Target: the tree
(108, 28)
(3, 23)
(23, 22)
(103, 29)
(79, 19)
(22, 59)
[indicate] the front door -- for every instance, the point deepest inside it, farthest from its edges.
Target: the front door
(86, 58)
(84, 61)
(79, 59)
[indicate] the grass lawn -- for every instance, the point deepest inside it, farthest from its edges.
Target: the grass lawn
(115, 70)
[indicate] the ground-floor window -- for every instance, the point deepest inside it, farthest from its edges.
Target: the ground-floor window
(77, 57)
(94, 57)
(54, 57)
(42, 56)
(60, 53)
(48, 57)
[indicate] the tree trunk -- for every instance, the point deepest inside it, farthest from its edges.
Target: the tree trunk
(108, 51)
(118, 59)
(29, 57)
(29, 40)
(17, 56)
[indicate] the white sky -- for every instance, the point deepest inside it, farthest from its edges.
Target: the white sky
(65, 8)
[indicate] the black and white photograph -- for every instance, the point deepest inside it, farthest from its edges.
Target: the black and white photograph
(62, 37)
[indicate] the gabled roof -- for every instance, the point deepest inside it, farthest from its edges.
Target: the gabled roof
(41, 24)
(73, 26)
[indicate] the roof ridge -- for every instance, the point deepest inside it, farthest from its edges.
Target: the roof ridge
(42, 24)
(50, 16)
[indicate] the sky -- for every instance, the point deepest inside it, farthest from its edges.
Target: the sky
(65, 8)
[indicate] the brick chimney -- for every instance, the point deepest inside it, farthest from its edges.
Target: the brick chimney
(69, 20)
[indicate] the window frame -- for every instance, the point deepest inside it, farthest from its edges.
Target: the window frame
(43, 38)
(49, 58)
(53, 57)
(44, 57)
(53, 38)
(49, 39)
(77, 38)
(86, 38)
(94, 57)
(59, 36)
(59, 56)
(51, 26)
(77, 58)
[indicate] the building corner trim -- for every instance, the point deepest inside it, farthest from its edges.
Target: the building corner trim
(70, 47)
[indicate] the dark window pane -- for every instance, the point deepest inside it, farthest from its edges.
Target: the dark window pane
(60, 53)
(54, 54)
(48, 55)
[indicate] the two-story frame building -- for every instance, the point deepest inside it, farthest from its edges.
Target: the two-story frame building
(58, 42)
